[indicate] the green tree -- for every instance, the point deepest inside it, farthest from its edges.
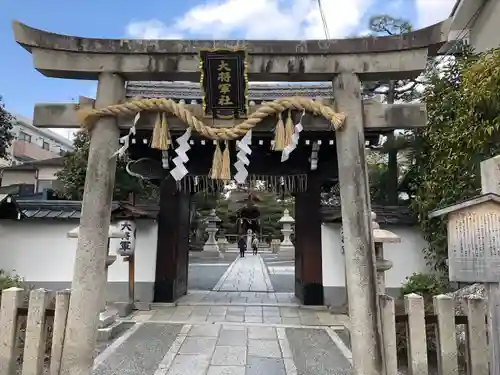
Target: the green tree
(463, 104)
(72, 175)
(271, 209)
(385, 176)
(6, 123)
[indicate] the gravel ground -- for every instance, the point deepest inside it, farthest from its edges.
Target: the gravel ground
(314, 353)
(101, 346)
(205, 277)
(144, 349)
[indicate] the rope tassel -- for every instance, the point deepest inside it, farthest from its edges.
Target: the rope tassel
(215, 172)
(289, 127)
(160, 137)
(225, 171)
(279, 135)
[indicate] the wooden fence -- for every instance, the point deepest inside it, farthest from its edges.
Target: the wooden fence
(445, 323)
(37, 315)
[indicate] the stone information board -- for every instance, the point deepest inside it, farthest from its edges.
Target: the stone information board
(474, 244)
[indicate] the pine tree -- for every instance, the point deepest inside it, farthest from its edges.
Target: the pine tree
(6, 124)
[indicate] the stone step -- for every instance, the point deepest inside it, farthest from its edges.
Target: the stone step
(109, 332)
(106, 318)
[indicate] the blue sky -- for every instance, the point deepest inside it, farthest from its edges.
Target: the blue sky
(21, 86)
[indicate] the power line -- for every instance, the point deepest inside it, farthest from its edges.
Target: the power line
(323, 20)
(460, 37)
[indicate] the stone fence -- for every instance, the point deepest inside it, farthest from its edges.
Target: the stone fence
(449, 329)
(37, 315)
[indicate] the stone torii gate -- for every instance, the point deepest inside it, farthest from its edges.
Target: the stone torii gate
(346, 62)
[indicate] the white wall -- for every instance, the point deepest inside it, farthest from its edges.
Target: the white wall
(407, 257)
(485, 34)
(39, 251)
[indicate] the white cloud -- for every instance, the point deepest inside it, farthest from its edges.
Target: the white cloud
(152, 29)
(433, 11)
(258, 19)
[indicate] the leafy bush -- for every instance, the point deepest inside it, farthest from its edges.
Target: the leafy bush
(425, 285)
(463, 109)
(8, 280)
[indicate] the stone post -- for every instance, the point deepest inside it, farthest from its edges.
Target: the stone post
(364, 313)
(286, 245)
(89, 270)
(222, 243)
(212, 221)
(381, 236)
(490, 183)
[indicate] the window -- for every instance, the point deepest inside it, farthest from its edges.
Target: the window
(24, 137)
(46, 146)
(43, 185)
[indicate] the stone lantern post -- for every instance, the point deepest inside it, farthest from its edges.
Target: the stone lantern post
(212, 221)
(381, 236)
(287, 221)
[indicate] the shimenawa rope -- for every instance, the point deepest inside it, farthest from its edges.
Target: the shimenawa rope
(88, 117)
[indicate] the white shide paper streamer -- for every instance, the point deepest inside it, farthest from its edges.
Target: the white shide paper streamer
(243, 146)
(125, 140)
(180, 170)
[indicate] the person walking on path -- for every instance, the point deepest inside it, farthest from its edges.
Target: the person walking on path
(255, 245)
(242, 245)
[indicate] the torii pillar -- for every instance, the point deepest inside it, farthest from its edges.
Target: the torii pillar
(359, 248)
(87, 288)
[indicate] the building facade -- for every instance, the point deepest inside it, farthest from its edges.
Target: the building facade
(31, 143)
(476, 22)
(35, 177)
(39, 236)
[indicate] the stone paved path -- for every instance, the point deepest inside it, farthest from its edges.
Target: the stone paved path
(166, 348)
(246, 274)
(200, 297)
(241, 327)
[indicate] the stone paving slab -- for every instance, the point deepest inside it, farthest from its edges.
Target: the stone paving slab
(266, 315)
(200, 298)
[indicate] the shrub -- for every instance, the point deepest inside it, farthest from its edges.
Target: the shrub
(8, 280)
(425, 285)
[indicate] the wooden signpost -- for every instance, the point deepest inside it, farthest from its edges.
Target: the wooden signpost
(474, 248)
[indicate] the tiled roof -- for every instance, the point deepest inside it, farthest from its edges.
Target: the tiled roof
(391, 215)
(71, 210)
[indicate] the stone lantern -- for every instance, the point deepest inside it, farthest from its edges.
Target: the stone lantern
(212, 220)
(106, 318)
(287, 221)
(381, 236)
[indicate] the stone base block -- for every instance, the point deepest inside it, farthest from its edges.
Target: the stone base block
(143, 306)
(108, 333)
(287, 249)
(124, 308)
(210, 254)
(107, 318)
(214, 248)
